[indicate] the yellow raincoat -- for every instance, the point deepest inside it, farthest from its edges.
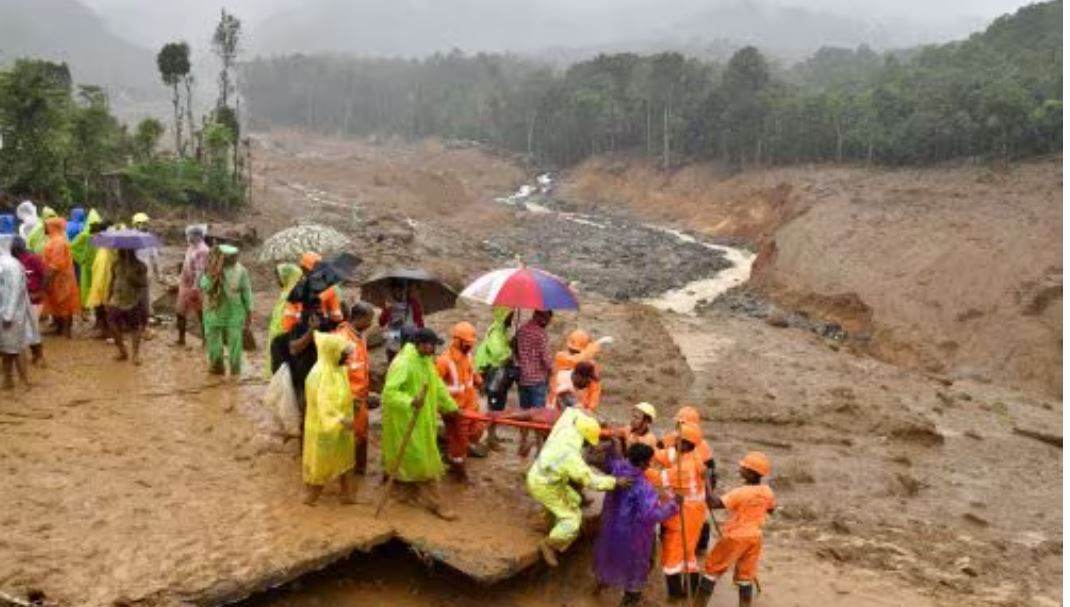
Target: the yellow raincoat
(288, 274)
(100, 284)
(560, 463)
(328, 444)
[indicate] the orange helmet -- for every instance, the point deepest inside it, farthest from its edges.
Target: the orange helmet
(464, 331)
(578, 340)
(309, 260)
(688, 414)
(691, 433)
(756, 461)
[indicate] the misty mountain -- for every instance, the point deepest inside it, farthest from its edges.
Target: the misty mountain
(419, 27)
(66, 30)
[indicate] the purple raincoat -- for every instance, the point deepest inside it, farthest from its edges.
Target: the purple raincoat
(623, 552)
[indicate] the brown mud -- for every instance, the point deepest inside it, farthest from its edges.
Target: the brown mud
(156, 485)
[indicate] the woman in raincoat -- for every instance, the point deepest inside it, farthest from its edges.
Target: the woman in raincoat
(38, 237)
(413, 387)
(288, 275)
(100, 286)
(328, 443)
(61, 293)
(84, 254)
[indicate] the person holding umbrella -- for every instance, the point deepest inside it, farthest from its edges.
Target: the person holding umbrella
(413, 397)
(402, 312)
(127, 309)
(228, 308)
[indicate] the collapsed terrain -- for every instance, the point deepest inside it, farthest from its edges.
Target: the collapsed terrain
(908, 471)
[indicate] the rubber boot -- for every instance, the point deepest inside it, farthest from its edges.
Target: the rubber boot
(706, 585)
(746, 594)
(674, 585)
(630, 599)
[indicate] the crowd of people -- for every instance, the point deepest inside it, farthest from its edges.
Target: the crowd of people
(655, 486)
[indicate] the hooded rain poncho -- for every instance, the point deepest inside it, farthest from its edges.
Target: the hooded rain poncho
(409, 373)
(14, 302)
(329, 451)
(61, 295)
(494, 350)
(289, 274)
(626, 536)
(84, 254)
(37, 238)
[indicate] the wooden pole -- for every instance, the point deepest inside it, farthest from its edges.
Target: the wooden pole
(685, 575)
(401, 452)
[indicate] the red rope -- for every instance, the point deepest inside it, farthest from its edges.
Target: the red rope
(504, 421)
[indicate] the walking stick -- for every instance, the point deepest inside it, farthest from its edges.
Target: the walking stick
(401, 453)
(685, 574)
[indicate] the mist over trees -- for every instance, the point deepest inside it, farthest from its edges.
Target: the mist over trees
(997, 94)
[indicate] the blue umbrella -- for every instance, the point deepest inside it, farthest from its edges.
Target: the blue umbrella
(126, 239)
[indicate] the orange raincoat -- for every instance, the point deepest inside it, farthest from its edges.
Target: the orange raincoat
(685, 475)
(561, 380)
(359, 372)
(62, 298)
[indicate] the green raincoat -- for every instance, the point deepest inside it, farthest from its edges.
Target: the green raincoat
(329, 450)
(495, 350)
(289, 274)
(84, 253)
(560, 465)
(408, 374)
(227, 315)
(36, 239)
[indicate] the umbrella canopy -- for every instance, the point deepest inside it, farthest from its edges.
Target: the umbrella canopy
(522, 288)
(126, 239)
(291, 243)
(434, 294)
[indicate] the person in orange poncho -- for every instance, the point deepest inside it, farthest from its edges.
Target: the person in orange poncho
(332, 303)
(359, 369)
(62, 301)
(580, 348)
(686, 477)
(456, 368)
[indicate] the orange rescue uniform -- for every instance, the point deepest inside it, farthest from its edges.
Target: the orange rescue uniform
(457, 370)
(564, 362)
(332, 306)
(741, 536)
(685, 474)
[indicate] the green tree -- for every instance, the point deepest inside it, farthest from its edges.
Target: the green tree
(147, 137)
(174, 65)
(225, 45)
(35, 118)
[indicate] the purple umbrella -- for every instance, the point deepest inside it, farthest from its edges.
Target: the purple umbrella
(126, 239)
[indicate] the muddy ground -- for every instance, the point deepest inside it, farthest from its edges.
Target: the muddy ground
(157, 485)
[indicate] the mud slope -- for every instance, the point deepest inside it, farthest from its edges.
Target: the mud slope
(953, 271)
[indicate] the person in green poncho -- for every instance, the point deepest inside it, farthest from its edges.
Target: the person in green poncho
(84, 252)
(37, 238)
(413, 387)
(493, 361)
(329, 450)
(228, 308)
(288, 274)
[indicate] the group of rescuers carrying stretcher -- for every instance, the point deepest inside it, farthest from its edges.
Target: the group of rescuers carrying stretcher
(650, 483)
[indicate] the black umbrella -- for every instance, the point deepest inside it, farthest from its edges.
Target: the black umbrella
(434, 294)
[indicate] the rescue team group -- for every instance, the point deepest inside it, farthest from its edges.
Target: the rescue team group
(651, 483)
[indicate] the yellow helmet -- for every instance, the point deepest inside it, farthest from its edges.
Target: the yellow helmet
(139, 218)
(588, 428)
(648, 410)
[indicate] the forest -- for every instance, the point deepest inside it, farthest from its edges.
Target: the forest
(994, 96)
(61, 144)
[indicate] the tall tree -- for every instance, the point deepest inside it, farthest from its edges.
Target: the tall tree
(173, 63)
(225, 46)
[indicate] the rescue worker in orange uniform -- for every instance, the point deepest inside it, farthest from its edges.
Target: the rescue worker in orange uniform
(358, 367)
(741, 537)
(332, 304)
(689, 415)
(579, 348)
(457, 369)
(640, 428)
(685, 475)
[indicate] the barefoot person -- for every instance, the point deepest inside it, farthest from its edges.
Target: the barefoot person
(558, 468)
(741, 537)
(35, 271)
(190, 300)
(328, 437)
(413, 387)
(127, 310)
(15, 315)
